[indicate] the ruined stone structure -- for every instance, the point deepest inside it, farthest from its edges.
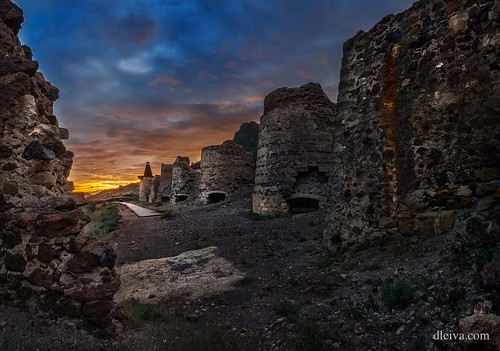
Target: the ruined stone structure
(294, 152)
(224, 169)
(165, 185)
(155, 186)
(147, 183)
(185, 180)
(46, 262)
(248, 137)
(417, 133)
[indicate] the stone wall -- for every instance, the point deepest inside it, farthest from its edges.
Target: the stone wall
(294, 150)
(46, 262)
(155, 187)
(417, 133)
(224, 169)
(145, 187)
(185, 180)
(165, 187)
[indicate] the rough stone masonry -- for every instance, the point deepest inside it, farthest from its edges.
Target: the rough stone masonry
(46, 262)
(224, 169)
(185, 179)
(416, 137)
(294, 149)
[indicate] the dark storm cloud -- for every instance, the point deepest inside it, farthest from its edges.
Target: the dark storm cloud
(153, 79)
(135, 28)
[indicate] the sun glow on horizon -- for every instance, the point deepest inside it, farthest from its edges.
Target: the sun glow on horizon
(95, 187)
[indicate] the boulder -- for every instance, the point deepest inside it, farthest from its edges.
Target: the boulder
(478, 325)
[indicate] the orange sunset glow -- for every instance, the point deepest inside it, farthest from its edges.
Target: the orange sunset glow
(91, 172)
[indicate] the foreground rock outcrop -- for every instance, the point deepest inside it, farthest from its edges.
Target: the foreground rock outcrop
(416, 138)
(196, 273)
(46, 262)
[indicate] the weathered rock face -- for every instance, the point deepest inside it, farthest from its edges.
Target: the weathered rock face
(46, 262)
(417, 133)
(481, 324)
(294, 155)
(185, 180)
(224, 169)
(248, 137)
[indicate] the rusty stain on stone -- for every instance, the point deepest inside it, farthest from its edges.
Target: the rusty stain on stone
(390, 125)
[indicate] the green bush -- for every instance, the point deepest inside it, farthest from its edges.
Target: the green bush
(397, 294)
(104, 220)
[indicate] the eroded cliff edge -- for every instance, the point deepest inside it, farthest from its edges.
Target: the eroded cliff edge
(47, 264)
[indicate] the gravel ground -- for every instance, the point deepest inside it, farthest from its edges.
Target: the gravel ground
(295, 296)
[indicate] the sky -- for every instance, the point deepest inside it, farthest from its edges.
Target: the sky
(150, 80)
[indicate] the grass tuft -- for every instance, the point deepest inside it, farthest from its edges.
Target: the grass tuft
(397, 294)
(208, 339)
(287, 309)
(310, 336)
(167, 215)
(323, 261)
(244, 281)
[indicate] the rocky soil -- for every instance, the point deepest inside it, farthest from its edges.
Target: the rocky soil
(288, 294)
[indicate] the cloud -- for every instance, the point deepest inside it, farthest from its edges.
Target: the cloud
(156, 79)
(135, 28)
(164, 80)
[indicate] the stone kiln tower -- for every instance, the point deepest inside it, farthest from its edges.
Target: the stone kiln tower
(185, 180)
(417, 133)
(165, 187)
(146, 185)
(294, 150)
(224, 169)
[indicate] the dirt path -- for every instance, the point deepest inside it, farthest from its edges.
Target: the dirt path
(141, 211)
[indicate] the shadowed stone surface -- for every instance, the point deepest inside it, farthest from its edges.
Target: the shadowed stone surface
(42, 247)
(417, 130)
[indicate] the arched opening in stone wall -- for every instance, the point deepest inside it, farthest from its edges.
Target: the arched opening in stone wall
(304, 203)
(180, 198)
(216, 196)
